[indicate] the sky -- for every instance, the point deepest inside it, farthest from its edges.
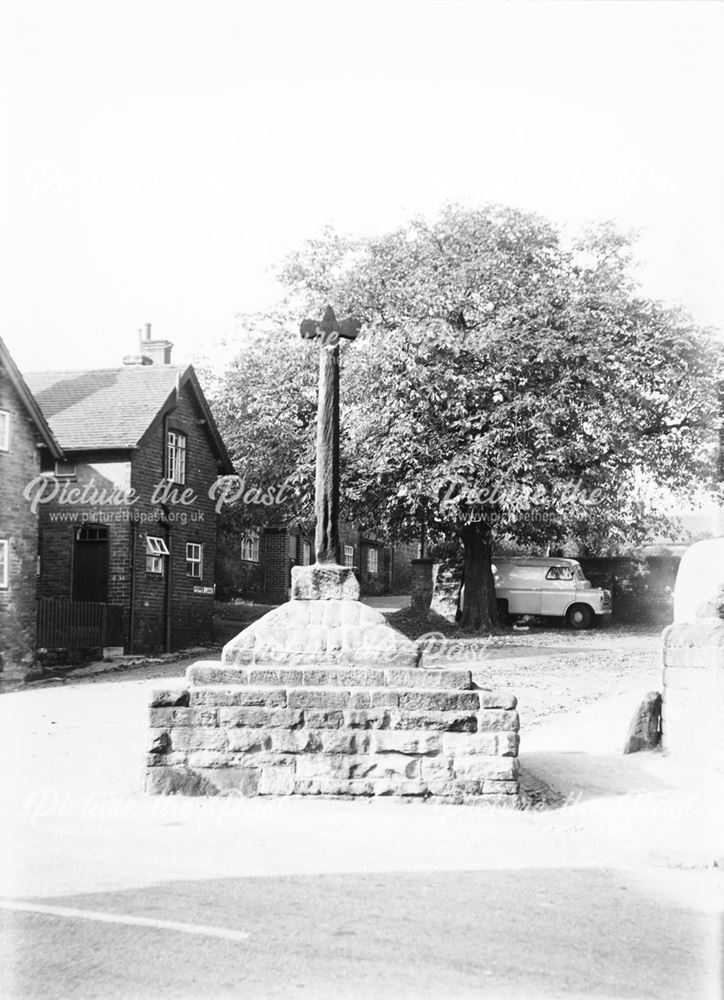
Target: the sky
(162, 157)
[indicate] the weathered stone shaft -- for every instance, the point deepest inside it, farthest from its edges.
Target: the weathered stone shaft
(327, 480)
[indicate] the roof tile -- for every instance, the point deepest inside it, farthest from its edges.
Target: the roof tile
(105, 408)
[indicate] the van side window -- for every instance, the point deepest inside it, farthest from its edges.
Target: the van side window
(559, 573)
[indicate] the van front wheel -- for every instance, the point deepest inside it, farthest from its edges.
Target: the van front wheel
(580, 616)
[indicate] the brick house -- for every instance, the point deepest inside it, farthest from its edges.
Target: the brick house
(23, 429)
(257, 565)
(126, 519)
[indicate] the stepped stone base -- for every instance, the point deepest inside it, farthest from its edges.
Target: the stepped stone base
(323, 697)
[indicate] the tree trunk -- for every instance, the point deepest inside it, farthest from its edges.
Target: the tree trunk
(480, 612)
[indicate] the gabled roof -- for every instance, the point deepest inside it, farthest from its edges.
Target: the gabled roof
(112, 408)
(29, 401)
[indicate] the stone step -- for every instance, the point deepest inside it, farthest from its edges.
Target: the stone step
(213, 672)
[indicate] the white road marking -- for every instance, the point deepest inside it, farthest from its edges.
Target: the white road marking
(122, 918)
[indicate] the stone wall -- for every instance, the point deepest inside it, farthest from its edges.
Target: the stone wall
(413, 732)
(693, 706)
(323, 697)
(692, 721)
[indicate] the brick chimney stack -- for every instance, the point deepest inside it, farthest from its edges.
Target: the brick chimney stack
(154, 352)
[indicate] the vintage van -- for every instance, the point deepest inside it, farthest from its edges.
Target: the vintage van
(547, 585)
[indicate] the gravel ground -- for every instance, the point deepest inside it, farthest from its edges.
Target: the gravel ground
(551, 669)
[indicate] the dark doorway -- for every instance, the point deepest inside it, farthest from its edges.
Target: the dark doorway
(90, 564)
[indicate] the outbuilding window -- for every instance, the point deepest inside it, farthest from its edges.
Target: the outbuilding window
(194, 560)
(349, 555)
(372, 561)
(4, 560)
(250, 545)
(156, 549)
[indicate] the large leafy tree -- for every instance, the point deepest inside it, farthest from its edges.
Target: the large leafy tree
(510, 384)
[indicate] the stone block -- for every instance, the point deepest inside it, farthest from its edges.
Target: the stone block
(277, 780)
(209, 758)
(479, 767)
(295, 741)
(334, 786)
(465, 744)
(409, 742)
(507, 744)
(280, 678)
(456, 790)
(442, 701)
(442, 788)
(384, 765)
(216, 696)
(260, 697)
(216, 673)
(250, 740)
(499, 787)
(384, 698)
(172, 758)
(334, 634)
(169, 697)
(395, 785)
(177, 781)
(414, 788)
(370, 718)
(495, 719)
(340, 677)
(317, 718)
(497, 699)
(436, 768)
(341, 741)
(240, 780)
(423, 677)
(317, 765)
(454, 722)
(326, 698)
(197, 738)
(287, 718)
(322, 582)
(161, 718)
(307, 786)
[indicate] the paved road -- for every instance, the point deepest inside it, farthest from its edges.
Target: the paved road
(522, 933)
(108, 893)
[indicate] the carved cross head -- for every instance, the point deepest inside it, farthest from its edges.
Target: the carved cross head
(330, 329)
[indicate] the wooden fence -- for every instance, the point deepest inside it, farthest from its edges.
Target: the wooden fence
(66, 624)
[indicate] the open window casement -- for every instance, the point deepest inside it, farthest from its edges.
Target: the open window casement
(156, 549)
(156, 546)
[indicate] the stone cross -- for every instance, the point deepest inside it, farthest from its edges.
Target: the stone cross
(326, 501)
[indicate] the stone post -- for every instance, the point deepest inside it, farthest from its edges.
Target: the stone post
(421, 585)
(693, 695)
